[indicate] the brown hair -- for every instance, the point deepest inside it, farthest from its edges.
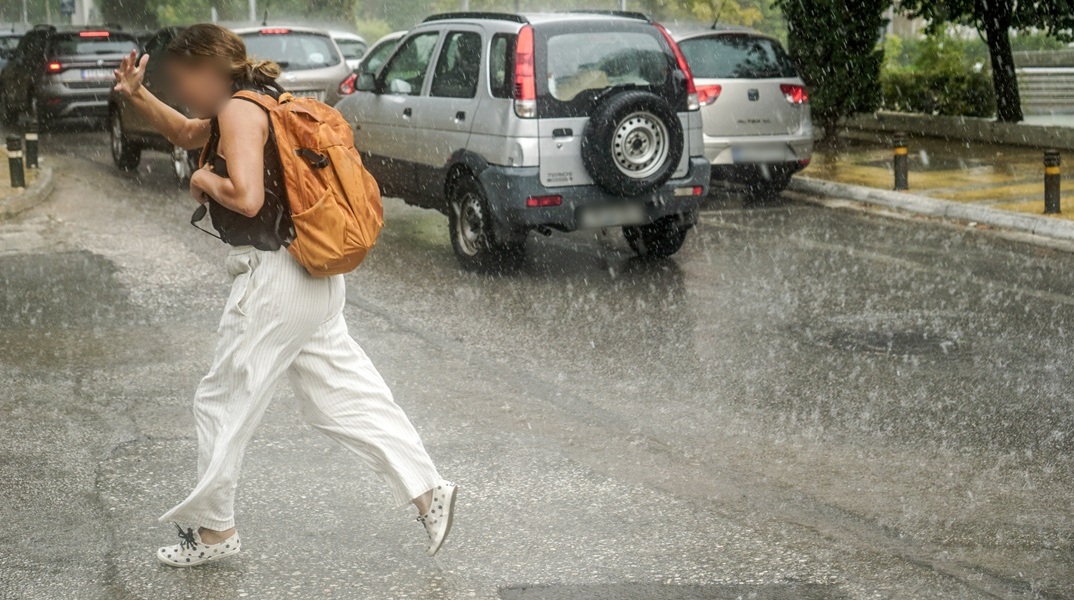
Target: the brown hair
(210, 42)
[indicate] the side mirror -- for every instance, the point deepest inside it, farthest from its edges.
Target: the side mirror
(366, 82)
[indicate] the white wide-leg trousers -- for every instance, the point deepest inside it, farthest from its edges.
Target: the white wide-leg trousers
(278, 319)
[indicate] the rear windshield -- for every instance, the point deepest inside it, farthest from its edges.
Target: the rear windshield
(584, 62)
(293, 51)
(736, 57)
(8, 42)
(351, 49)
(76, 45)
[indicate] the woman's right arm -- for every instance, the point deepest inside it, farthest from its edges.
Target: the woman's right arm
(184, 132)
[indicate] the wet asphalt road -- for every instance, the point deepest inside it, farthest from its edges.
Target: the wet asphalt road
(805, 403)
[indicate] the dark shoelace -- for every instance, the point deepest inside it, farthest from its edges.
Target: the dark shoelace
(188, 542)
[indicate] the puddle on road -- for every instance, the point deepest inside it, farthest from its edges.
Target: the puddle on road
(646, 591)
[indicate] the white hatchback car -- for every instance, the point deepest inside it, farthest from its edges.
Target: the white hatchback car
(754, 106)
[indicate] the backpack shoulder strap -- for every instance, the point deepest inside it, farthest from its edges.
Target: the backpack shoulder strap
(263, 100)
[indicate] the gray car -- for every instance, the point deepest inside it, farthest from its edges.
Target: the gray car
(311, 61)
(755, 107)
(510, 124)
(57, 74)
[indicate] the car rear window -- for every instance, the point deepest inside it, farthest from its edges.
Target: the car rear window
(92, 45)
(351, 49)
(580, 62)
(8, 42)
(736, 57)
(293, 51)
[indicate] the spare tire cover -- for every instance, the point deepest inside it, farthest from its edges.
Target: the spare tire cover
(632, 143)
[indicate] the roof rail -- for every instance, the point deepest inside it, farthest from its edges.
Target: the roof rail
(492, 16)
(626, 14)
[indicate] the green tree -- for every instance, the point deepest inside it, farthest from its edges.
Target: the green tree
(994, 20)
(835, 45)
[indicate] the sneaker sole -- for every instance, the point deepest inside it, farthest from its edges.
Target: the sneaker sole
(186, 565)
(437, 543)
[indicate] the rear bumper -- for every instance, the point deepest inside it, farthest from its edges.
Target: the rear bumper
(759, 149)
(57, 102)
(508, 188)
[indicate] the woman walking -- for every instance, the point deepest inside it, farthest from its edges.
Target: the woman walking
(278, 319)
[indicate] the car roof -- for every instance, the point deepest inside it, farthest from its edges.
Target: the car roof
(537, 18)
(345, 35)
(683, 31)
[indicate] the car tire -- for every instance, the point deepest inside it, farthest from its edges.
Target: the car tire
(633, 143)
(125, 155)
(184, 163)
(472, 235)
(766, 190)
(660, 239)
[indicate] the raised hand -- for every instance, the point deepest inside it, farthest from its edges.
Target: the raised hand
(130, 73)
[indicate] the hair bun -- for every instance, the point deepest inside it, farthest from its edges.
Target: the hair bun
(262, 71)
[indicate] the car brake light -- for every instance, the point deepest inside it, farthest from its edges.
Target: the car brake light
(93, 34)
(525, 77)
(346, 87)
(707, 94)
(275, 31)
(54, 67)
(692, 102)
(543, 201)
(795, 94)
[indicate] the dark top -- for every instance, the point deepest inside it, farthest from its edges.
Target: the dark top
(271, 228)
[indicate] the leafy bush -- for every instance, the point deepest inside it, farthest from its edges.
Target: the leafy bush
(944, 78)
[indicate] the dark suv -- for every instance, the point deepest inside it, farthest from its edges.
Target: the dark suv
(57, 74)
(509, 124)
(131, 132)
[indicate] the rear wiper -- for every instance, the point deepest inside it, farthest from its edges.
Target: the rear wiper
(283, 64)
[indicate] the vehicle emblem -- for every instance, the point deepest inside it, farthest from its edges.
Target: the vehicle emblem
(100, 62)
(290, 77)
(754, 95)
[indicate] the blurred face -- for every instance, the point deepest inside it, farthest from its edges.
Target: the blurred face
(203, 87)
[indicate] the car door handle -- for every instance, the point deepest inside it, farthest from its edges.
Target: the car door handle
(460, 116)
(408, 112)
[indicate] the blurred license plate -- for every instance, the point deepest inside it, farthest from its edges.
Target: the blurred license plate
(611, 215)
(758, 154)
(96, 74)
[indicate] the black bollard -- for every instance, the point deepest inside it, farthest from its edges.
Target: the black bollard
(31, 146)
(902, 163)
(1051, 182)
(14, 161)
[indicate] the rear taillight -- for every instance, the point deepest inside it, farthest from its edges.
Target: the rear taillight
(346, 87)
(795, 94)
(525, 91)
(692, 102)
(54, 67)
(707, 94)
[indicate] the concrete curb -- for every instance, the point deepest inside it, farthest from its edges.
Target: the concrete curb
(37, 193)
(1049, 227)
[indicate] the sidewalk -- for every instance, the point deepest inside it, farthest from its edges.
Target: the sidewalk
(1008, 178)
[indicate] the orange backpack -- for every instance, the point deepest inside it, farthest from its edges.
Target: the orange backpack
(335, 203)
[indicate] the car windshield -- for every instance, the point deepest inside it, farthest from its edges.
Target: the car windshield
(352, 49)
(294, 51)
(736, 57)
(79, 45)
(595, 61)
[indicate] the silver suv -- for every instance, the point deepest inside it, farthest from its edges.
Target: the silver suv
(509, 124)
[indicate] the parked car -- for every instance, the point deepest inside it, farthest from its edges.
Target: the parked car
(57, 74)
(754, 105)
(130, 131)
(352, 46)
(8, 42)
(509, 124)
(312, 63)
(373, 59)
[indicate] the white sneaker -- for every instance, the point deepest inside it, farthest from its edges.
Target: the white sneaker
(191, 551)
(437, 521)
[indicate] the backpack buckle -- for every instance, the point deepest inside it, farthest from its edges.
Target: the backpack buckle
(317, 161)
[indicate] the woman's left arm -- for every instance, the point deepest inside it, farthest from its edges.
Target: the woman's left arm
(243, 133)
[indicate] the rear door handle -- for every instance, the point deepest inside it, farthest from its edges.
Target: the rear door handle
(460, 116)
(408, 112)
